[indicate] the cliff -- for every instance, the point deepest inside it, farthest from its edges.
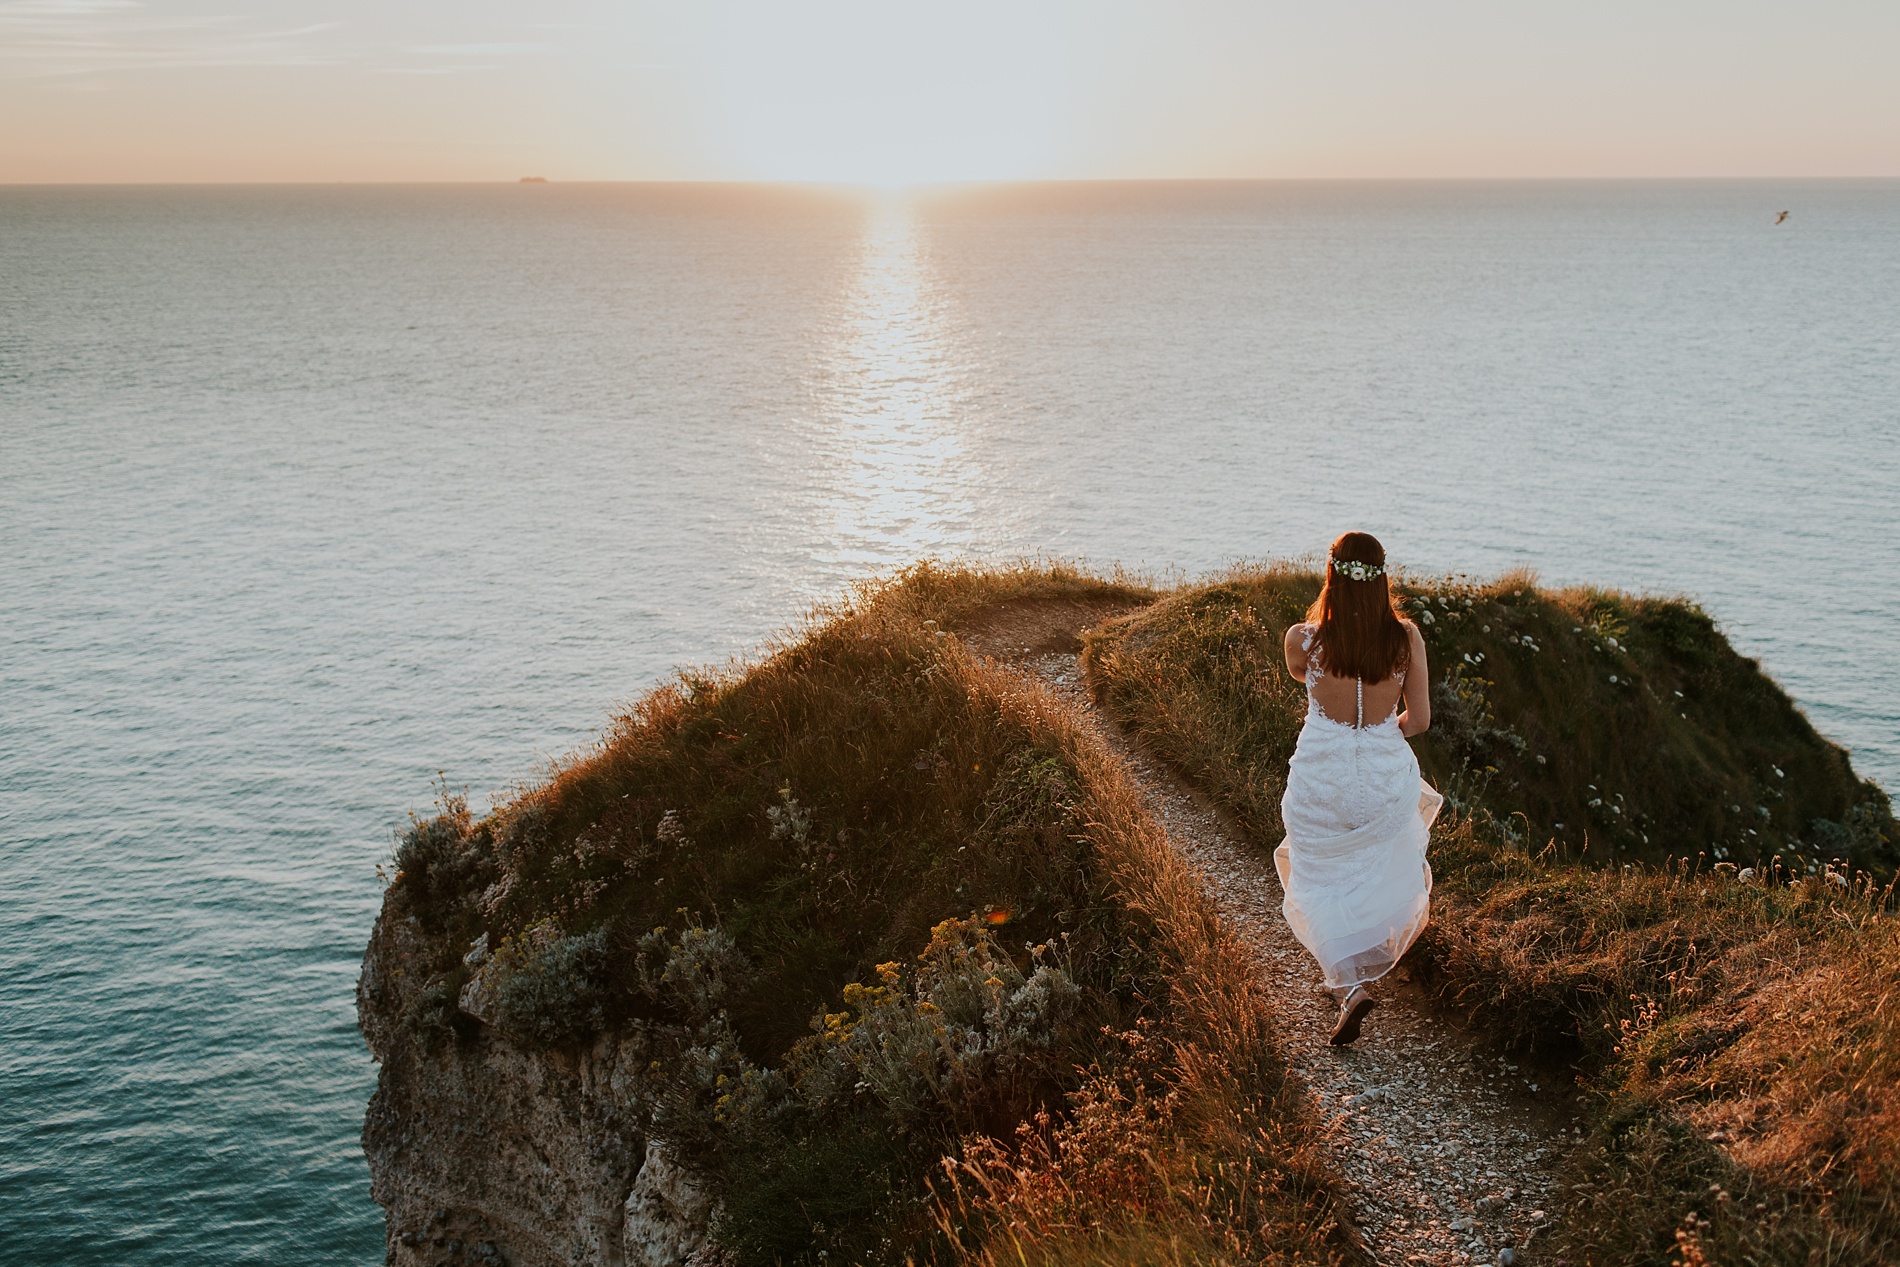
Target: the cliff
(483, 1150)
(764, 976)
(868, 952)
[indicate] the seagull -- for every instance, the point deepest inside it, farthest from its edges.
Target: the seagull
(1781, 217)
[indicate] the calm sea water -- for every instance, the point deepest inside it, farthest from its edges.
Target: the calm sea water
(308, 494)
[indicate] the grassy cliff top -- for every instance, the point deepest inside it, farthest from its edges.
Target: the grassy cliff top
(872, 902)
(1657, 879)
(877, 900)
(1615, 727)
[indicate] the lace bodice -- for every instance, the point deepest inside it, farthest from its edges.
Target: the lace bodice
(1316, 673)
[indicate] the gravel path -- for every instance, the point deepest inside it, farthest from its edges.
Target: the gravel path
(1448, 1146)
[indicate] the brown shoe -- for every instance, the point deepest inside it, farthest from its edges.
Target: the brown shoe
(1351, 1013)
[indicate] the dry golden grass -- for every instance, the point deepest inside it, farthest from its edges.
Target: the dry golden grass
(826, 809)
(1739, 1036)
(1192, 1141)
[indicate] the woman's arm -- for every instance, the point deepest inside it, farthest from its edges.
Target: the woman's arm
(1296, 652)
(1417, 717)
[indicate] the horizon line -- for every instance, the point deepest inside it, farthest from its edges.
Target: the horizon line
(953, 183)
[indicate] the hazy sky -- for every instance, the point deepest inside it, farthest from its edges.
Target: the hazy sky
(124, 90)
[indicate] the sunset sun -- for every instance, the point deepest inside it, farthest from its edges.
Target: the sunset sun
(889, 94)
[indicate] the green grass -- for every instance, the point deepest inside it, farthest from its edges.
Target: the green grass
(1623, 728)
(1738, 1035)
(873, 903)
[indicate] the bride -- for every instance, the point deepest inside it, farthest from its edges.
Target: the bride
(1356, 812)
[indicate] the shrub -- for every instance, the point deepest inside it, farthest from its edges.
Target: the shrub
(944, 1045)
(441, 861)
(430, 1016)
(552, 988)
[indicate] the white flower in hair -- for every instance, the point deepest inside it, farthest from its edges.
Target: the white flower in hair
(1356, 570)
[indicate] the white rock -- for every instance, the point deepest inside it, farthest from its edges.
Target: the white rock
(478, 995)
(667, 1212)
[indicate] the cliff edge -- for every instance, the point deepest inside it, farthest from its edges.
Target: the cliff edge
(877, 951)
(867, 952)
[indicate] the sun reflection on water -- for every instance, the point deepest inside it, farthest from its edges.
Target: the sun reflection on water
(891, 391)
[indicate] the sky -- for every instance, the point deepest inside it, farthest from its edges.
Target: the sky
(897, 92)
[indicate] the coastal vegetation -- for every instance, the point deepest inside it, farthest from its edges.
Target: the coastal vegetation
(1621, 728)
(911, 973)
(1656, 879)
(889, 955)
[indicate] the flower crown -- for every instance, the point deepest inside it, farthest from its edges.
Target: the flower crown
(1358, 571)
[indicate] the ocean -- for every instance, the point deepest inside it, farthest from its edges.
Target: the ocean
(314, 499)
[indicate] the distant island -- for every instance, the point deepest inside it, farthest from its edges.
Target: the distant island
(534, 180)
(875, 951)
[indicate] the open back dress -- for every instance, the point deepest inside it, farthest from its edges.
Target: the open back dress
(1357, 817)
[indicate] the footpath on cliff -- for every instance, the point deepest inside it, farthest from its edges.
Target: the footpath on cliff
(1448, 1146)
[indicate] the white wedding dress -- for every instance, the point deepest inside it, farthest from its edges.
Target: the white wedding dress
(1357, 817)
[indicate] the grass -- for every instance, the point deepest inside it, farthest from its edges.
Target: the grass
(1731, 1008)
(1741, 1038)
(1623, 728)
(917, 977)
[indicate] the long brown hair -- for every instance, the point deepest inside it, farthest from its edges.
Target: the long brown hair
(1358, 621)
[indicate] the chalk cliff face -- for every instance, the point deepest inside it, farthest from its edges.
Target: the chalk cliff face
(594, 1004)
(482, 1151)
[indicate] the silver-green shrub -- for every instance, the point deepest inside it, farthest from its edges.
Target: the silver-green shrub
(553, 988)
(967, 1018)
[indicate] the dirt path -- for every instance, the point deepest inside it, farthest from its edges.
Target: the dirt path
(1449, 1148)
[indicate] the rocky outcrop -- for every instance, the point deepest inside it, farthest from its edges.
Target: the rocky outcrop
(666, 1213)
(482, 1150)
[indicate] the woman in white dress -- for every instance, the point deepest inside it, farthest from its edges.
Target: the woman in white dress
(1357, 814)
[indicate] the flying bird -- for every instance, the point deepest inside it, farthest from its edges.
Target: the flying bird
(1781, 217)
